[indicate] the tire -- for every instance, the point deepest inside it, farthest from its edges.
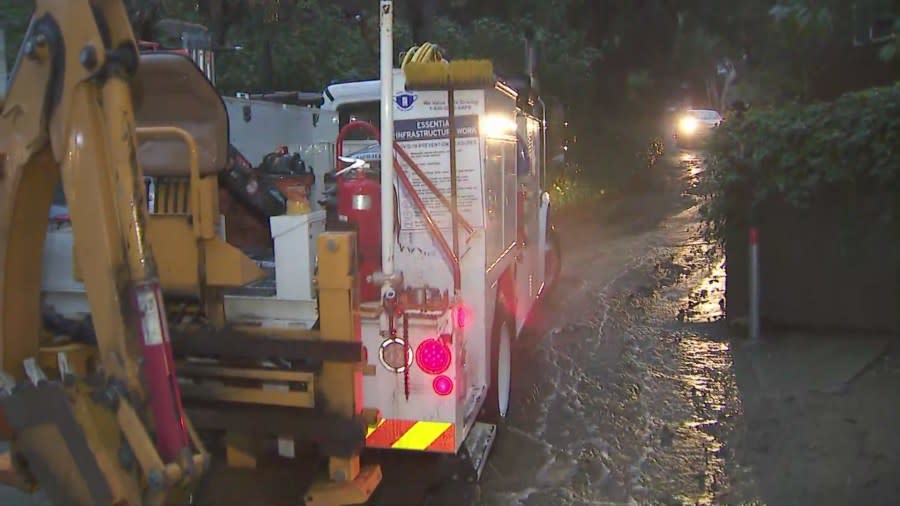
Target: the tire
(552, 261)
(496, 403)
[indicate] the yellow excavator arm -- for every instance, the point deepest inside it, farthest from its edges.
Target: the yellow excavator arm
(119, 436)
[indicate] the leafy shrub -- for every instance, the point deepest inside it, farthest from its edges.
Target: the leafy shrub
(848, 148)
(568, 188)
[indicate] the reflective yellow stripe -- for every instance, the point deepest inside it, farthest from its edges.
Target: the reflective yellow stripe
(373, 429)
(421, 435)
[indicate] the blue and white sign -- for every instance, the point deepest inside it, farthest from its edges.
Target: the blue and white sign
(423, 131)
(427, 129)
(405, 101)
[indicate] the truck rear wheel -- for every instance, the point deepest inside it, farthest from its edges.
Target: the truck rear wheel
(552, 261)
(496, 403)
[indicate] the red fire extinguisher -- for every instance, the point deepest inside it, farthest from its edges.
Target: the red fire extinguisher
(359, 204)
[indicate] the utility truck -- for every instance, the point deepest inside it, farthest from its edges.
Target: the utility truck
(402, 342)
(442, 362)
(504, 259)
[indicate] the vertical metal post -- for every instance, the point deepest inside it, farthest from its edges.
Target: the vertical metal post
(544, 142)
(754, 283)
(211, 65)
(454, 199)
(387, 140)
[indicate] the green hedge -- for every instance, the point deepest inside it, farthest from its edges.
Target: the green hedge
(848, 149)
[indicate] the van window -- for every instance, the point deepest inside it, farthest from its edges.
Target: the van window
(705, 115)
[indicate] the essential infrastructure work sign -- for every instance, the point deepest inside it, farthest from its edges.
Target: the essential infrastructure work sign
(422, 128)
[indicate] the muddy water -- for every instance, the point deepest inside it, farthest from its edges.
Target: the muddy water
(695, 402)
(706, 302)
(621, 409)
(627, 400)
(624, 408)
(708, 384)
(692, 161)
(642, 395)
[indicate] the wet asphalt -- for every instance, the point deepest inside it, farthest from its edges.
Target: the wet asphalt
(584, 430)
(638, 392)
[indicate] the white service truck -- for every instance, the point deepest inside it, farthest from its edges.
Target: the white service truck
(438, 343)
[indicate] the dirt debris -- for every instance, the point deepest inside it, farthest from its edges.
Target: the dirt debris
(639, 393)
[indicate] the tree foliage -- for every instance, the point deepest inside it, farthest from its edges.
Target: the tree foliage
(796, 154)
(616, 64)
(602, 52)
(863, 21)
(14, 15)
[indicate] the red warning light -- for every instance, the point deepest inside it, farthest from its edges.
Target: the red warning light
(461, 315)
(433, 356)
(442, 385)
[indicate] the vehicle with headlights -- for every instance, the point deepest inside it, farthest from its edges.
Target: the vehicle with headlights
(450, 366)
(694, 125)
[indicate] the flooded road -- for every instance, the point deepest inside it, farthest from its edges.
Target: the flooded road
(620, 398)
(638, 393)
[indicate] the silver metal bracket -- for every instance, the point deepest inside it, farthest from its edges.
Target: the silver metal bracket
(379, 278)
(478, 445)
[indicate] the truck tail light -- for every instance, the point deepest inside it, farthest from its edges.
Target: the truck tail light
(433, 356)
(442, 385)
(461, 314)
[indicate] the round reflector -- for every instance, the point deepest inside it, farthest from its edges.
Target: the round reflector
(442, 385)
(392, 356)
(433, 356)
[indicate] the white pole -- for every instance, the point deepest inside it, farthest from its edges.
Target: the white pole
(754, 284)
(387, 140)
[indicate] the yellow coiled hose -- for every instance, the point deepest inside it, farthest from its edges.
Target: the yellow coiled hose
(425, 53)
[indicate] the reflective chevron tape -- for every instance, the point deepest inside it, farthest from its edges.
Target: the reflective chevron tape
(410, 435)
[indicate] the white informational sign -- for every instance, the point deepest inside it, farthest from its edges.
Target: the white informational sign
(421, 127)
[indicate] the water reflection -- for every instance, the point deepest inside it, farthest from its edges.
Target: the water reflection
(708, 383)
(707, 380)
(706, 303)
(692, 161)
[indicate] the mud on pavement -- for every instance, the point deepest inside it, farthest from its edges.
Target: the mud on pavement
(630, 389)
(584, 430)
